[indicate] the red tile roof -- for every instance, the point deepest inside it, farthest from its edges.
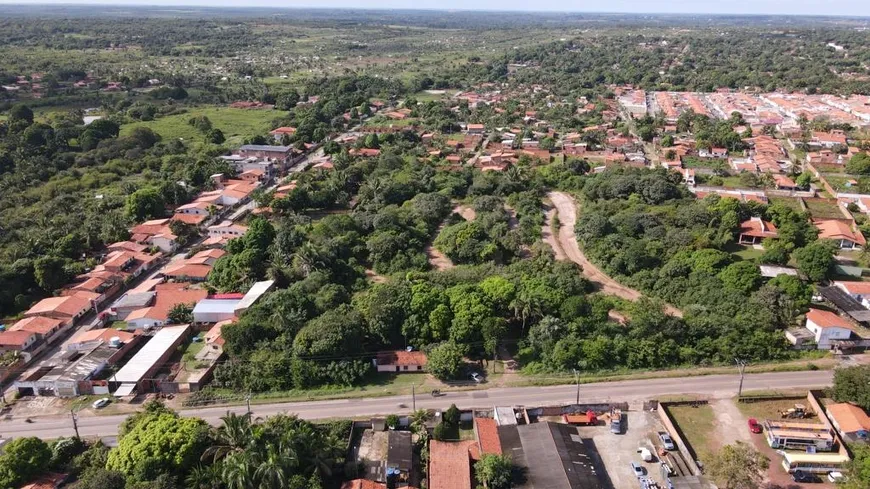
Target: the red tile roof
(450, 464)
(68, 306)
(37, 324)
(826, 319)
(838, 229)
(402, 358)
(487, 435)
(759, 228)
(15, 338)
(362, 484)
(849, 417)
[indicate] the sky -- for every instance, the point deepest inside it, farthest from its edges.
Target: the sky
(780, 7)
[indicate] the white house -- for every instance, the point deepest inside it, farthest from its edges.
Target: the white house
(860, 291)
(827, 327)
(227, 229)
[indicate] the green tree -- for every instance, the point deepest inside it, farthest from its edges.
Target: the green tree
(162, 442)
(21, 113)
(859, 468)
(215, 136)
(859, 164)
(145, 203)
(816, 259)
(50, 273)
(445, 360)
(22, 460)
(852, 384)
(743, 276)
(738, 466)
(495, 471)
(452, 416)
(180, 314)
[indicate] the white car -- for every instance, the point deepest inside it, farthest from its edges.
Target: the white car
(476, 377)
(836, 477)
(101, 403)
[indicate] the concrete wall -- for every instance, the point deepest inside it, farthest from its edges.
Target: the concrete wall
(685, 449)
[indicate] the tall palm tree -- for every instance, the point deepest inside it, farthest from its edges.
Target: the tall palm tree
(276, 467)
(204, 477)
(239, 471)
(234, 436)
(309, 258)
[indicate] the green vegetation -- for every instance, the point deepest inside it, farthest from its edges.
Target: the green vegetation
(235, 124)
(738, 466)
(698, 425)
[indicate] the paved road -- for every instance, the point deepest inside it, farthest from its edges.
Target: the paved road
(715, 386)
(567, 241)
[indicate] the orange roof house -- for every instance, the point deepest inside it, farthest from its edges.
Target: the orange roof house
(168, 295)
(66, 308)
(401, 361)
(846, 234)
(362, 484)
(450, 464)
(850, 420)
(754, 230)
(486, 433)
(42, 326)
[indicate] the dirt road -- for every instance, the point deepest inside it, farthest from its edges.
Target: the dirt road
(567, 242)
(438, 260)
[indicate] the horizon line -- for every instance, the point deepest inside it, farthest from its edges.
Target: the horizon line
(37, 3)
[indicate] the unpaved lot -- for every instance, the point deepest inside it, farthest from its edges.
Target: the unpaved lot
(618, 451)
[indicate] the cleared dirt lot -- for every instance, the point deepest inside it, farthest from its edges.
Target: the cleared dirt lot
(618, 451)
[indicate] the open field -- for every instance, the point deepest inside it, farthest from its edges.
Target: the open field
(698, 425)
(234, 123)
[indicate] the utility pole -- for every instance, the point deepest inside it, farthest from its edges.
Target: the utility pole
(248, 402)
(741, 365)
(577, 379)
(413, 398)
(75, 422)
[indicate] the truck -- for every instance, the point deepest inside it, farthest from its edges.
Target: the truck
(616, 421)
(586, 419)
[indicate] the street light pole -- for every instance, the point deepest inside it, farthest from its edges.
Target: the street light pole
(741, 366)
(413, 398)
(577, 379)
(75, 422)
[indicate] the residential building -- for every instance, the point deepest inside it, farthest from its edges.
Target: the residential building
(279, 153)
(755, 230)
(45, 328)
(450, 464)
(475, 128)
(130, 302)
(860, 291)
(155, 232)
(845, 234)
(253, 295)
(282, 131)
(227, 229)
(486, 435)
(400, 361)
(66, 308)
(400, 455)
(827, 327)
(788, 435)
(167, 296)
(849, 420)
(20, 341)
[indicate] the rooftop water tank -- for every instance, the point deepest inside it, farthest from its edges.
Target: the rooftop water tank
(115, 342)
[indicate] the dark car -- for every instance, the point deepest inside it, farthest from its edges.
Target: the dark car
(801, 476)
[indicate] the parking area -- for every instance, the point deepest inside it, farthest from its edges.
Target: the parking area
(617, 452)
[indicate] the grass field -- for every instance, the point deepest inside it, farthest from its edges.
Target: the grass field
(698, 425)
(771, 409)
(236, 124)
(823, 209)
(791, 203)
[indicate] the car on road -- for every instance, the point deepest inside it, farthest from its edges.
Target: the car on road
(639, 470)
(754, 426)
(667, 441)
(801, 476)
(101, 403)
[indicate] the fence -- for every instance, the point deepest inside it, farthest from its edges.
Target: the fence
(683, 446)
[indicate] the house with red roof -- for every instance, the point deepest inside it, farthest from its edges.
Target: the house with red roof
(860, 291)
(400, 361)
(827, 327)
(755, 230)
(166, 297)
(20, 341)
(450, 464)
(65, 308)
(846, 234)
(45, 328)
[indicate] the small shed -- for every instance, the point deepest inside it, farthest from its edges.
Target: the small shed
(214, 310)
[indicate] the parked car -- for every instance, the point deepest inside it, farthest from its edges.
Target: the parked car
(638, 470)
(801, 476)
(475, 377)
(667, 441)
(836, 477)
(754, 426)
(101, 403)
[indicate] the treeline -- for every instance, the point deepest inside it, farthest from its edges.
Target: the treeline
(158, 449)
(645, 230)
(701, 61)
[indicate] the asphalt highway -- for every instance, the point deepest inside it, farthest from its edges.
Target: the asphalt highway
(711, 386)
